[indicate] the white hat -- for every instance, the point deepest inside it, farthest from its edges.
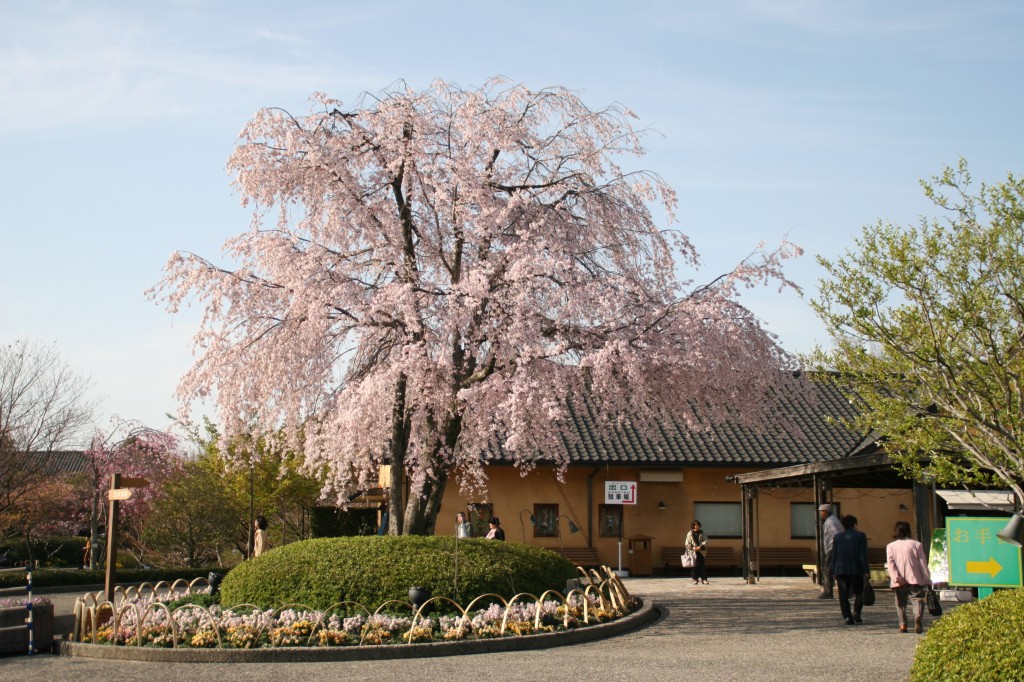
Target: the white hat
(825, 507)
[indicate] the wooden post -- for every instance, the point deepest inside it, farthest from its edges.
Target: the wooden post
(111, 577)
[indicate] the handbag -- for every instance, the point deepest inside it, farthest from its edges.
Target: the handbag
(689, 560)
(868, 595)
(931, 600)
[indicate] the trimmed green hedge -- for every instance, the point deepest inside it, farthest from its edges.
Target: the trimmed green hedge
(50, 577)
(977, 641)
(371, 570)
(53, 551)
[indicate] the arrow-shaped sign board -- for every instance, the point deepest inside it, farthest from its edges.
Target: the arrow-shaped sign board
(119, 494)
(127, 482)
(978, 557)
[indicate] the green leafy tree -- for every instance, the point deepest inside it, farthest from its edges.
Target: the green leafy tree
(193, 522)
(266, 475)
(928, 324)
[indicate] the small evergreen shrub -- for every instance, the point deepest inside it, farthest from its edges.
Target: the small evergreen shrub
(977, 641)
(372, 570)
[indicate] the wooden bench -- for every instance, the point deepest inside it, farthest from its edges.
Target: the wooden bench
(783, 557)
(581, 556)
(716, 557)
(876, 564)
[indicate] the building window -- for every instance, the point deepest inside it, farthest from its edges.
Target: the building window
(610, 520)
(803, 520)
(547, 520)
(719, 519)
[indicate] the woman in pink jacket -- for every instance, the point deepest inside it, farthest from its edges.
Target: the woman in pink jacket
(908, 574)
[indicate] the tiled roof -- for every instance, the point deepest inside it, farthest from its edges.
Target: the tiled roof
(60, 461)
(814, 440)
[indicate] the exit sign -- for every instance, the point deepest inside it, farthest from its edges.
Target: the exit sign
(620, 492)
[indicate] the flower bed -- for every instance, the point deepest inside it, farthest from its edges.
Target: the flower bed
(149, 623)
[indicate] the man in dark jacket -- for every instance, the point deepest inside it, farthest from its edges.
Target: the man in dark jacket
(850, 566)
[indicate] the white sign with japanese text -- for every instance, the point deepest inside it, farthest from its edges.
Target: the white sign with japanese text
(620, 492)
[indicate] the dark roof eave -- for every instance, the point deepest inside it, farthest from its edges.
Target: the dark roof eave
(848, 465)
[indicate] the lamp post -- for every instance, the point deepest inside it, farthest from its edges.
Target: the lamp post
(533, 522)
(573, 528)
(252, 512)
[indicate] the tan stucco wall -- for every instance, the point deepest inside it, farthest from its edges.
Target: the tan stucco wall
(513, 498)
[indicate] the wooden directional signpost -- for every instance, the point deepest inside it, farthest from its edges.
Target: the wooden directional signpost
(120, 490)
(977, 557)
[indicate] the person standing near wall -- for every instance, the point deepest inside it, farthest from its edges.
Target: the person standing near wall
(463, 529)
(831, 526)
(697, 542)
(495, 532)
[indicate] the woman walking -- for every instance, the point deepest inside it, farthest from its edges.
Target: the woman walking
(908, 574)
(697, 543)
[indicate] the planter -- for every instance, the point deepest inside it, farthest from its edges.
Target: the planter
(16, 641)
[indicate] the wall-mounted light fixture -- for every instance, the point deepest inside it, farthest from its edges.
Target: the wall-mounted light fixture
(1014, 531)
(533, 522)
(903, 507)
(662, 506)
(573, 528)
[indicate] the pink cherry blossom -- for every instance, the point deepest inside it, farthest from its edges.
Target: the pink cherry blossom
(431, 277)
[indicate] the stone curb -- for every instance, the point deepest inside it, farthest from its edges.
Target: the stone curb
(645, 615)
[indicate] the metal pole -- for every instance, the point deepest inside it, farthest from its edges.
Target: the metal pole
(111, 577)
(28, 605)
(252, 514)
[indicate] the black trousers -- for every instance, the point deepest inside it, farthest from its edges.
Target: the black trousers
(850, 586)
(700, 570)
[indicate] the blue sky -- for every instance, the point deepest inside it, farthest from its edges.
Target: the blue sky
(770, 119)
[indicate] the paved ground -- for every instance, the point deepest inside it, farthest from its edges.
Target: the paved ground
(728, 630)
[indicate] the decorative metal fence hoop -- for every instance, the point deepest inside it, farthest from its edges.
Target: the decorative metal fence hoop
(419, 614)
(325, 615)
(467, 620)
(508, 607)
(276, 612)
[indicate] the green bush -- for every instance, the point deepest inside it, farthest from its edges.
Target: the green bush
(371, 570)
(978, 641)
(49, 551)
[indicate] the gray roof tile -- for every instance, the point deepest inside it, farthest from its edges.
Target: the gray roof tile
(816, 439)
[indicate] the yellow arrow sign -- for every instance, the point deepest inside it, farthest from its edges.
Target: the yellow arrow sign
(119, 494)
(992, 567)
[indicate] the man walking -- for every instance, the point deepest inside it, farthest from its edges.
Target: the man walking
(830, 528)
(850, 565)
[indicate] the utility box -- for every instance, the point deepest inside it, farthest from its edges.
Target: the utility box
(640, 555)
